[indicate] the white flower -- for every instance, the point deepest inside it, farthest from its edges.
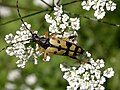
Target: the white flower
(66, 34)
(86, 76)
(48, 18)
(21, 63)
(8, 38)
(70, 88)
(19, 45)
(75, 23)
(65, 18)
(87, 4)
(109, 73)
(63, 68)
(102, 80)
(100, 87)
(99, 63)
(80, 70)
(99, 13)
(97, 74)
(62, 26)
(10, 51)
(23, 26)
(98, 3)
(66, 75)
(93, 83)
(13, 75)
(110, 6)
(58, 20)
(58, 10)
(88, 54)
(31, 79)
(87, 66)
(84, 85)
(73, 74)
(30, 51)
(53, 28)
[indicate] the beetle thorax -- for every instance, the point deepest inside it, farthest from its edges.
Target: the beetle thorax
(42, 41)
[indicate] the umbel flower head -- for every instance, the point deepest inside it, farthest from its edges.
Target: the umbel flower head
(62, 24)
(99, 7)
(20, 45)
(86, 76)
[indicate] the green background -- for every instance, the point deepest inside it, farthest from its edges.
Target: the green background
(102, 40)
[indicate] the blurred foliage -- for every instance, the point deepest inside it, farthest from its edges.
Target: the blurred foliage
(102, 40)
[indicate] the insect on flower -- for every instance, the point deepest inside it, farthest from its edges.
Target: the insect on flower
(57, 46)
(50, 43)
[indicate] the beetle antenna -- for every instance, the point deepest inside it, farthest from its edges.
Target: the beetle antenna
(21, 16)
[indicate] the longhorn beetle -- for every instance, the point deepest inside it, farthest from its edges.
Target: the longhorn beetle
(54, 45)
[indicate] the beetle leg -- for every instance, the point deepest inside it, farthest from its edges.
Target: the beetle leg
(46, 34)
(40, 49)
(71, 37)
(52, 35)
(45, 55)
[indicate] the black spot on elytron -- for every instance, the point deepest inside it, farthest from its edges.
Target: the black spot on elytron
(76, 50)
(68, 44)
(59, 48)
(58, 41)
(55, 52)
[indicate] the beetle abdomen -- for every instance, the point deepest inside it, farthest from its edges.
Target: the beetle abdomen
(62, 47)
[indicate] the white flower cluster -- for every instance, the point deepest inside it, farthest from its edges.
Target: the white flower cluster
(62, 25)
(16, 75)
(98, 6)
(86, 76)
(19, 48)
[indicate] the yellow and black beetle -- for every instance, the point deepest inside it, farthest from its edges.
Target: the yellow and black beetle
(57, 46)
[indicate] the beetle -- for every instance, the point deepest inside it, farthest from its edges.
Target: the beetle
(57, 46)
